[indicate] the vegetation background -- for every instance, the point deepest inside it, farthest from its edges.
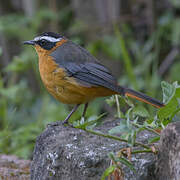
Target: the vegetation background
(139, 40)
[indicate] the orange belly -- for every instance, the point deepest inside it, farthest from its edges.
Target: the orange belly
(67, 89)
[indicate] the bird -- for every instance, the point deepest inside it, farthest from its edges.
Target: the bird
(73, 76)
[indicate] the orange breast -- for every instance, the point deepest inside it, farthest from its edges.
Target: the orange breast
(63, 88)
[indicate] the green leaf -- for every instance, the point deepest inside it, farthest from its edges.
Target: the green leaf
(150, 120)
(122, 128)
(168, 91)
(140, 111)
(173, 117)
(122, 160)
(91, 122)
(110, 101)
(119, 129)
(112, 156)
(167, 110)
(108, 171)
(177, 94)
(171, 94)
(128, 116)
(154, 139)
(126, 163)
(132, 138)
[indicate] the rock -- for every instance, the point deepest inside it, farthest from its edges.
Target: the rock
(65, 153)
(13, 168)
(168, 160)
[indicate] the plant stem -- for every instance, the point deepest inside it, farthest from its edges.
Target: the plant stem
(152, 130)
(113, 137)
(146, 128)
(142, 151)
(118, 106)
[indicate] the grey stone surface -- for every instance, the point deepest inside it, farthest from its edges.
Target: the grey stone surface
(13, 168)
(168, 160)
(64, 153)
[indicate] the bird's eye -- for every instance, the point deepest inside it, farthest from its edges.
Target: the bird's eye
(43, 42)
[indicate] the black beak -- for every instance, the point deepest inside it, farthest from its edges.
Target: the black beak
(31, 42)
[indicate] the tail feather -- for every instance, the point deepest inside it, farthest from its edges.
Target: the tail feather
(143, 97)
(139, 96)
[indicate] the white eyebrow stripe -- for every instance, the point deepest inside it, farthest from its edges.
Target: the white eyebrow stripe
(51, 39)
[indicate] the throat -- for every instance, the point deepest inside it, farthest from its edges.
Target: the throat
(46, 68)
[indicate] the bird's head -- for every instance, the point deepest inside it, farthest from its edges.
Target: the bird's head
(47, 41)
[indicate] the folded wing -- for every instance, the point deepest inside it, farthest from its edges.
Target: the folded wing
(81, 65)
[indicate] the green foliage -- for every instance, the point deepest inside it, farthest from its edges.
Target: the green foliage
(135, 120)
(154, 139)
(140, 111)
(108, 171)
(126, 163)
(119, 161)
(171, 96)
(90, 123)
(132, 123)
(126, 58)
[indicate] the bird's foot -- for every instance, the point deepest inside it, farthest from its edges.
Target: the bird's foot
(57, 123)
(67, 124)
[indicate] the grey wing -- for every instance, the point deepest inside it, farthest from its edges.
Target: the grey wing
(81, 65)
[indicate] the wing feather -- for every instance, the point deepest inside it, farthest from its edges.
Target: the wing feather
(81, 65)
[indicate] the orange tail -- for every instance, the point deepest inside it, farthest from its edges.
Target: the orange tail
(142, 97)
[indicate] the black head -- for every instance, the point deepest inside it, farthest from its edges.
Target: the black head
(46, 40)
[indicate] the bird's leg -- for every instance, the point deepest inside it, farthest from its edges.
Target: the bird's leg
(85, 109)
(84, 112)
(58, 123)
(70, 114)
